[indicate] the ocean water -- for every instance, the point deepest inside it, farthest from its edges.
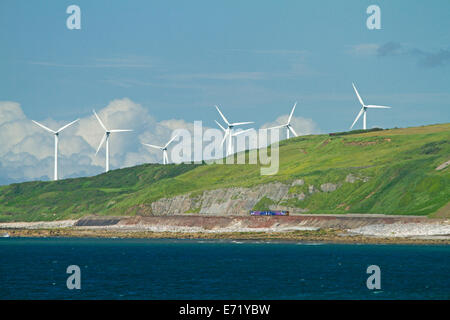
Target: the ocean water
(195, 269)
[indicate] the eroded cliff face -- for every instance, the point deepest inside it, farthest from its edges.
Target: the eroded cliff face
(233, 201)
(238, 201)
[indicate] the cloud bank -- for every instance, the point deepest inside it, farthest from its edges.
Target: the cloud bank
(26, 150)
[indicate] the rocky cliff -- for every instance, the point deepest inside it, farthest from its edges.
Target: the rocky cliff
(239, 201)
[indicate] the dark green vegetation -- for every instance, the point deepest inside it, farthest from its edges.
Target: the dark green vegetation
(344, 133)
(395, 172)
(263, 204)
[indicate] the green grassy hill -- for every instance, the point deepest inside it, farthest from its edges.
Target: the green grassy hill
(398, 166)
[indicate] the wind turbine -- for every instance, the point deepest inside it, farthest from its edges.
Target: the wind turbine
(288, 125)
(164, 149)
(364, 109)
(228, 130)
(106, 138)
(230, 150)
(56, 134)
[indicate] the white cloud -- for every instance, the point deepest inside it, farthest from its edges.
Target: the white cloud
(302, 126)
(363, 49)
(26, 150)
(10, 111)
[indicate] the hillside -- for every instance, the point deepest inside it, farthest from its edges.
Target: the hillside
(388, 172)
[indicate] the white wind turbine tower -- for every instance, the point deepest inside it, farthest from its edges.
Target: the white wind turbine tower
(163, 149)
(56, 134)
(106, 138)
(230, 149)
(364, 109)
(288, 125)
(229, 129)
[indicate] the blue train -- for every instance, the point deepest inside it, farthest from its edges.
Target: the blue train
(269, 213)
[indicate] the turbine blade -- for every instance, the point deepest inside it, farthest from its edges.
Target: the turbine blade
(241, 123)
(220, 125)
(67, 125)
(357, 117)
(120, 130)
(100, 121)
(378, 107)
(276, 127)
(293, 131)
(223, 117)
(292, 112)
(170, 141)
(240, 132)
(152, 146)
(225, 136)
(359, 98)
(101, 143)
(44, 127)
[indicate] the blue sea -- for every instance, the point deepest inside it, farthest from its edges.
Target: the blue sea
(35, 268)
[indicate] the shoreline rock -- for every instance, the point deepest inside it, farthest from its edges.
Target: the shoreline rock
(375, 226)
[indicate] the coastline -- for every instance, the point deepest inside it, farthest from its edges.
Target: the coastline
(324, 236)
(356, 229)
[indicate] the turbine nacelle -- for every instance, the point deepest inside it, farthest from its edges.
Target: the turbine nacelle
(162, 148)
(288, 125)
(364, 108)
(56, 134)
(105, 138)
(228, 130)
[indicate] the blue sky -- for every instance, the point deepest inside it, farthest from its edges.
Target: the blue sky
(176, 59)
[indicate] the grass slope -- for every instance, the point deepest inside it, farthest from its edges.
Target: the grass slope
(399, 164)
